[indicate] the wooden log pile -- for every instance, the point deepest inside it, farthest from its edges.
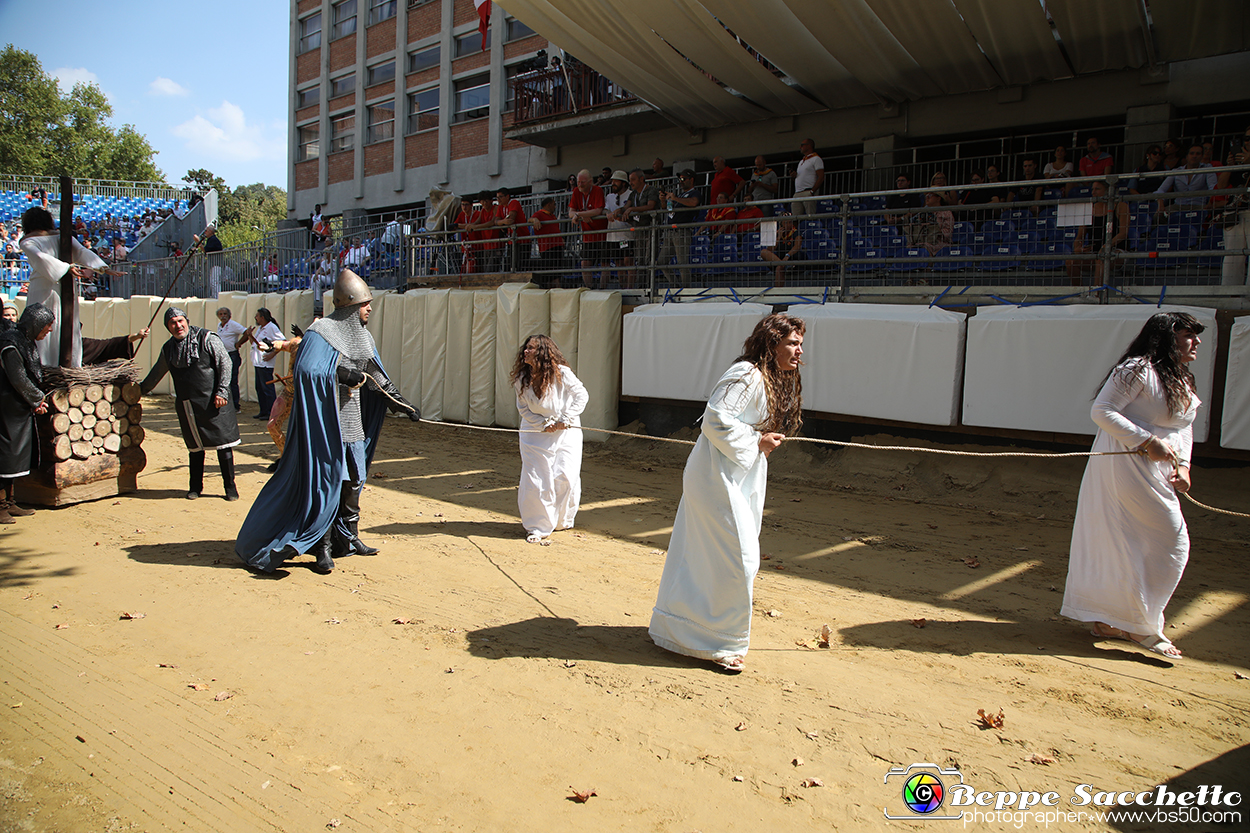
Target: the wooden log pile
(90, 444)
(87, 420)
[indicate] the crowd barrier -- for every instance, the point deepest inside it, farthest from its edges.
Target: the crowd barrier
(449, 350)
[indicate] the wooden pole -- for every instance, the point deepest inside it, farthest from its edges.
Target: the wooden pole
(69, 321)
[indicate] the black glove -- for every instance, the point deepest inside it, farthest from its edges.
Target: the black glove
(350, 376)
(415, 414)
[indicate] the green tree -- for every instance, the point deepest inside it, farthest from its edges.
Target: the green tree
(245, 215)
(46, 133)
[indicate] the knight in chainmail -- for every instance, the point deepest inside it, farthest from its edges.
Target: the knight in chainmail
(21, 397)
(197, 361)
(311, 504)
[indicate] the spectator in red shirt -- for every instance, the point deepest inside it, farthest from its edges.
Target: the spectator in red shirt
(752, 212)
(550, 244)
(490, 245)
(586, 210)
(468, 236)
(726, 180)
(511, 225)
(1095, 162)
(718, 216)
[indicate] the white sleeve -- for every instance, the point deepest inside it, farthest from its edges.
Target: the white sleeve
(727, 433)
(1125, 384)
(575, 397)
(85, 257)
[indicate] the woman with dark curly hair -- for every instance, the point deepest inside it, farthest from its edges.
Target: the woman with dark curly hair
(703, 607)
(550, 399)
(1129, 542)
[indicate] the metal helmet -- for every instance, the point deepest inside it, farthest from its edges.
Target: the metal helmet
(350, 289)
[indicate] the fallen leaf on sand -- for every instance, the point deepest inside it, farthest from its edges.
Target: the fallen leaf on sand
(582, 796)
(136, 615)
(223, 695)
(779, 566)
(990, 721)
(1237, 675)
(931, 526)
(165, 665)
(140, 531)
(741, 727)
(775, 614)
(568, 663)
(796, 500)
(797, 762)
(198, 686)
(917, 623)
(80, 738)
(1041, 759)
(333, 823)
(826, 634)
(438, 514)
(194, 554)
(399, 620)
(16, 706)
(737, 777)
(765, 557)
(811, 735)
(813, 782)
(449, 671)
(62, 626)
(971, 561)
(333, 621)
(657, 552)
(97, 543)
(380, 475)
(468, 485)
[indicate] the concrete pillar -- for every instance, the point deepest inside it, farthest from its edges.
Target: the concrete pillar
(881, 157)
(1144, 126)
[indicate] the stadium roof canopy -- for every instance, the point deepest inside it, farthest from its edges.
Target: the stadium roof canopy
(698, 61)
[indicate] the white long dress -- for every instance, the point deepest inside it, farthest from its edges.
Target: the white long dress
(1129, 542)
(703, 608)
(551, 463)
(46, 270)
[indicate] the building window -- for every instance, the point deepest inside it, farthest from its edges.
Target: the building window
(381, 73)
(309, 142)
(423, 110)
(472, 98)
(412, 4)
(380, 10)
(516, 30)
(307, 98)
(470, 44)
(343, 85)
(310, 32)
(381, 121)
(344, 19)
(342, 132)
(425, 59)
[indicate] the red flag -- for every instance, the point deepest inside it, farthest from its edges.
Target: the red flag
(483, 14)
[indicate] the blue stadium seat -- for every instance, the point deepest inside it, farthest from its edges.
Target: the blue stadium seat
(943, 262)
(1039, 265)
(1009, 253)
(1214, 240)
(916, 259)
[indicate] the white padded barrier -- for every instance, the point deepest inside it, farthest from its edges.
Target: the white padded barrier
(679, 351)
(297, 310)
(884, 361)
(459, 360)
(599, 358)
(412, 345)
(1038, 368)
(434, 354)
(507, 342)
(87, 319)
(1235, 424)
(565, 320)
(390, 340)
(482, 359)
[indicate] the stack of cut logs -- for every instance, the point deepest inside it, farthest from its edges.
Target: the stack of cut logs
(95, 419)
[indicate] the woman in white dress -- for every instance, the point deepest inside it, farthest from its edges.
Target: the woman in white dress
(1129, 541)
(703, 608)
(41, 243)
(550, 399)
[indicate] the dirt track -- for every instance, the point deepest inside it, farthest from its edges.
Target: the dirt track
(524, 671)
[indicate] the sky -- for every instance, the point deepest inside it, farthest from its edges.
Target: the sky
(205, 83)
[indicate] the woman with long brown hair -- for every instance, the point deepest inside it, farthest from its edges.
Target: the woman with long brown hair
(1129, 542)
(550, 400)
(704, 604)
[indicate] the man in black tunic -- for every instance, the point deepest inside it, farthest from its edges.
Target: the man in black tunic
(21, 398)
(200, 367)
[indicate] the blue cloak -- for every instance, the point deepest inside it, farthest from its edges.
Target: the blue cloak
(298, 504)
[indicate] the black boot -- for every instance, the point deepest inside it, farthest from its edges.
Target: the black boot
(351, 518)
(197, 475)
(321, 549)
(225, 459)
(340, 532)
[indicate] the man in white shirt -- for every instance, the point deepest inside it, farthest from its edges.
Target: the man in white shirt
(809, 176)
(263, 360)
(229, 331)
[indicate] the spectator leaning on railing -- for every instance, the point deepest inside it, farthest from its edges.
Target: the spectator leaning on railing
(1196, 175)
(762, 185)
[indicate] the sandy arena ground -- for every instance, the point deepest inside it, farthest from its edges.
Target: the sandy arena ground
(464, 680)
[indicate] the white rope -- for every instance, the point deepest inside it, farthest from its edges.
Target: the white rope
(845, 444)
